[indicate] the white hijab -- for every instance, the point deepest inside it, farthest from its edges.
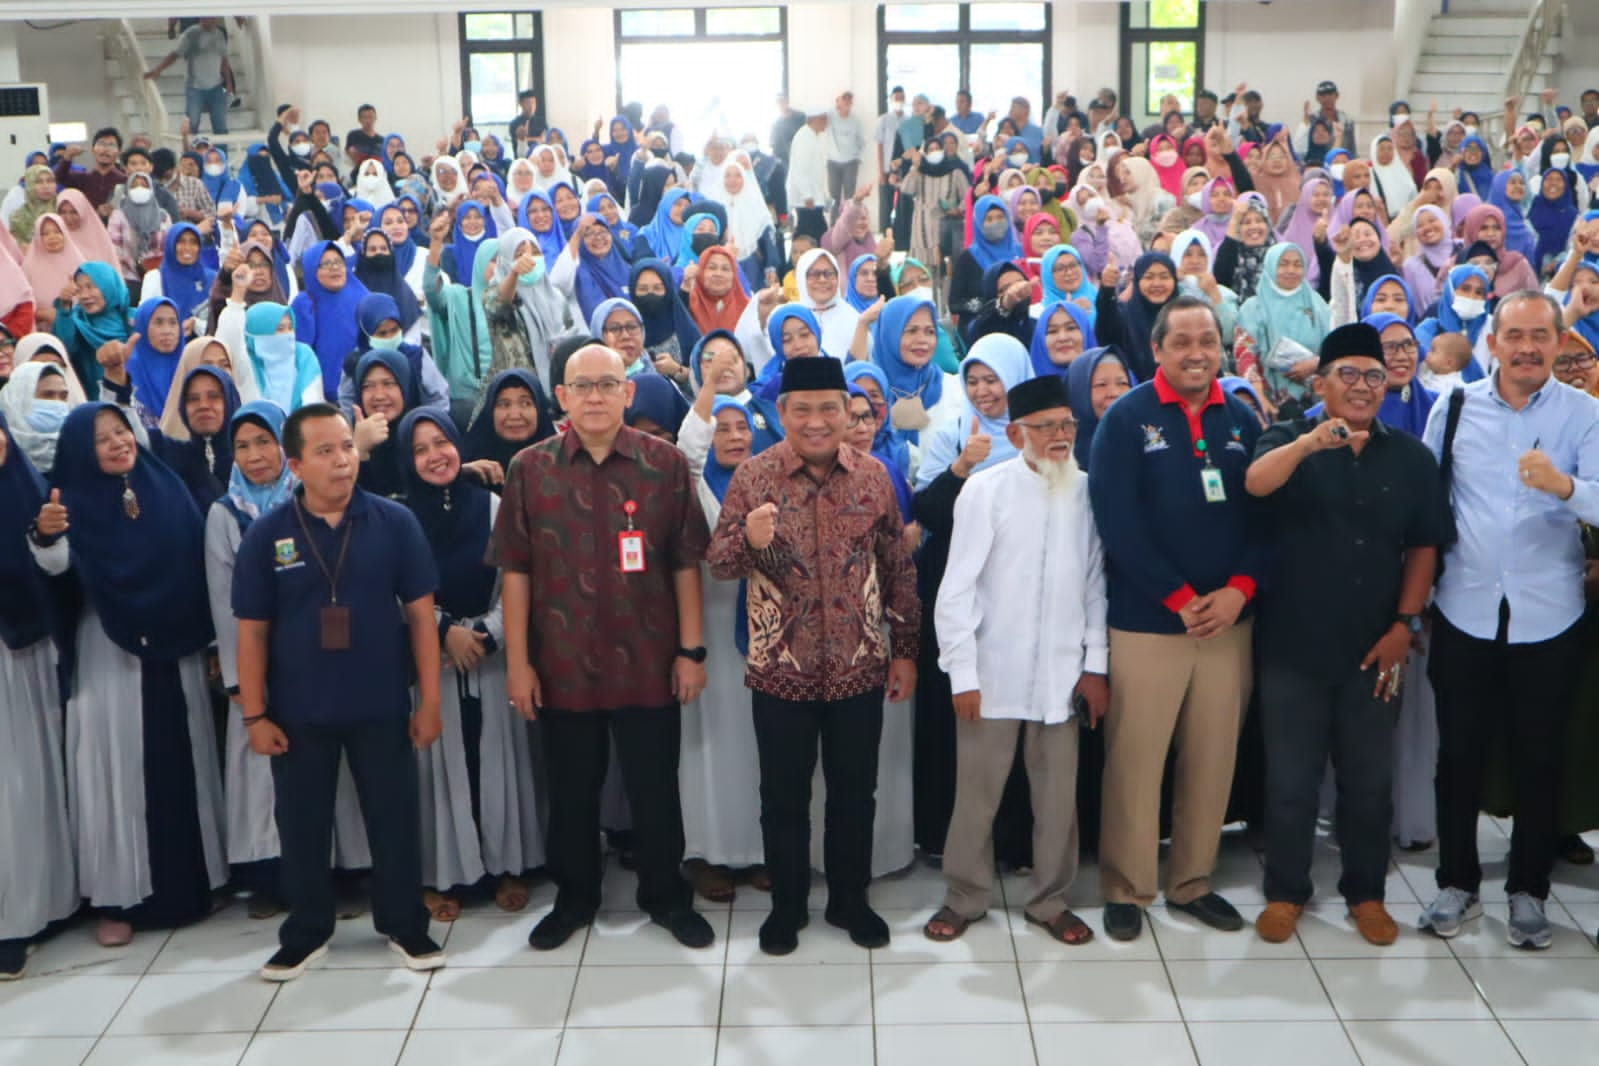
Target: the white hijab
(372, 185)
(513, 195)
(1397, 182)
(559, 174)
(446, 162)
(747, 214)
(16, 403)
(838, 320)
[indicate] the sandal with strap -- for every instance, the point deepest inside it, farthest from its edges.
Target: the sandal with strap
(1065, 927)
(957, 926)
(714, 883)
(442, 907)
(511, 895)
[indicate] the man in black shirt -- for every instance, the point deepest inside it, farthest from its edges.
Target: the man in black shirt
(364, 142)
(1359, 515)
(528, 126)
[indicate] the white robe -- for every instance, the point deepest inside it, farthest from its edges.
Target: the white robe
(38, 876)
(456, 850)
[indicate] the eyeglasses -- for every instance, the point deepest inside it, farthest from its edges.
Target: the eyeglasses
(608, 387)
(1352, 376)
(1404, 347)
(858, 419)
(623, 329)
(822, 275)
(1067, 426)
(1580, 361)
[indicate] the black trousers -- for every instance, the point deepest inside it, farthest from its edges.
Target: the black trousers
(786, 734)
(1306, 720)
(576, 752)
(306, 777)
(885, 206)
(1517, 697)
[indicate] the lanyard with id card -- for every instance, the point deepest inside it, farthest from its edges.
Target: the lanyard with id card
(1210, 477)
(630, 543)
(334, 617)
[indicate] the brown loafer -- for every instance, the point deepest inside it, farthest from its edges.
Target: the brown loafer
(1278, 921)
(1375, 923)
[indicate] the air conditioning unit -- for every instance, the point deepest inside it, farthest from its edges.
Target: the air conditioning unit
(24, 124)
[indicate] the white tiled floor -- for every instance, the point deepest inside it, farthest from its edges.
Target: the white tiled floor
(624, 993)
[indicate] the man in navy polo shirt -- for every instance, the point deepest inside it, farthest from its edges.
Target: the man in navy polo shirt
(329, 588)
(1183, 552)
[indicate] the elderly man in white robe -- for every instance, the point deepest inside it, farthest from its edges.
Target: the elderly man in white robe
(1021, 633)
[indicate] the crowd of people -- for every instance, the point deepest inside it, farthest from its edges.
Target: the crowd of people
(388, 525)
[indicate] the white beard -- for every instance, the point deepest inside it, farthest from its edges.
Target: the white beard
(1059, 474)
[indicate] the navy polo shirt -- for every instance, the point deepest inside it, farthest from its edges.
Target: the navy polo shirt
(277, 580)
(1164, 541)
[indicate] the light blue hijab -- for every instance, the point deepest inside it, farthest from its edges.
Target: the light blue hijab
(248, 500)
(1010, 361)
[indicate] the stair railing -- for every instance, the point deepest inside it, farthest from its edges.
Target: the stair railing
(1536, 32)
(130, 60)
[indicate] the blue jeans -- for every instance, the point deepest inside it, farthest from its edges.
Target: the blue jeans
(199, 101)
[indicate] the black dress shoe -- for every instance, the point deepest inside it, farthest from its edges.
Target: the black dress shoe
(1212, 910)
(780, 933)
(1123, 921)
(865, 928)
(555, 929)
(687, 926)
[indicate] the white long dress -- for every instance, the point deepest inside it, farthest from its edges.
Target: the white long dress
(719, 771)
(1416, 758)
(105, 761)
(508, 835)
(38, 878)
(250, 797)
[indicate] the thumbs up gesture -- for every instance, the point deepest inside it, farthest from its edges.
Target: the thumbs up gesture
(52, 516)
(977, 448)
(1112, 274)
(370, 431)
(760, 526)
(113, 358)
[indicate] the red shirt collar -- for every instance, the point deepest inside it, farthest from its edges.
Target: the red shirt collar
(1167, 394)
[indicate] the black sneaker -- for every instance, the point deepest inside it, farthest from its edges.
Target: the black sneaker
(687, 926)
(865, 928)
(419, 952)
(780, 934)
(555, 929)
(290, 963)
(13, 959)
(1212, 910)
(1123, 921)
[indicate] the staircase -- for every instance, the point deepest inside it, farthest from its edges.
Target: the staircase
(1466, 62)
(134, 46)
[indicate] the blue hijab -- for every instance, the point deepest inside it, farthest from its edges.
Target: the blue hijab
(383, 470)
(187, 287)
(599, 278)
(1330, 160)
(454, 519)
(770, 381)
(405, 251)
(1519, 237)
(1371, 294)
(658, 400)
(1588, 325)
(144, 576)
(717, 478)
(1552, 220)
(222, 188)
(275, 249)
(26, 606)
(1008, 359)
(419, 232)
(151, 372)
(551, 242)
(245, 499)
(1448, 321)
(988, 252)
(851, 297)
(388, 280)
(1039, 349)
(1477, 180)
(1405, 408)
(904, 380)
(463, 250)
(685, 245)
(325, 320)
(902, 488)
(1086, 289)
(664, 236)
(259, 177)
(889, 445)
(1080, 391)
(622, 231)
(624, 150)
(203, 465)
(110, 323)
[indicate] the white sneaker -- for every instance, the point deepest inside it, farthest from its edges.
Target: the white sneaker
(1446, 913)
(1529, 926)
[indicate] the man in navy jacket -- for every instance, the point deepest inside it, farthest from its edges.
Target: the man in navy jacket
(1183, 552)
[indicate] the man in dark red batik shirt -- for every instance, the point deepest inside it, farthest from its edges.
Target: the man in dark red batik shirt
(600, 538)
(815, 528)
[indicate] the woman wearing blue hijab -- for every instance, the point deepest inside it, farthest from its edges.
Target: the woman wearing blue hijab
(461, 253)
(1375, 293)
(915, 384)
(1476, 178)
(538, 209)
(97, 316)
(153, 363)
(994, 241)
(623, 231)
(186, 284)
(622, 148)
(669, 329)
(1054, 292)
(214, 174)
(1063, 333)
(663, 234)
(325, 311)
(771, 376)
(1092, 390)
(1449, 320)
(688, 249)
(384, 385)
(602, 274)
(984, 409)
(863, 269)
(658, 408)
(1519, 237)
(888, 445)
(141, 756)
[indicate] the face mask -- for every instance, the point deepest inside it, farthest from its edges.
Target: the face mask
(1166, 157)
(47, 415)
(140, 195)
(1469, 308)
(1471, 127)
(534, 276)
(1085, 159)
(1196, 200)
(468, 237)
(475, 147)
(650, 304)
(1018, 159)
(1398, 120)
(995, 231)
(899, 107)
(1093, 208)
(1560, 160)
(387, 344)
(1337, 171)
(301, 149)
(381, 261)
(935, 158)
(277, 347)
(751, 147)
(703, 241)
(215, 170)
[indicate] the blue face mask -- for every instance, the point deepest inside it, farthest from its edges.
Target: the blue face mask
(475, 147)
(47, 415)
(534, 276)
(387, 344)
(277, 346)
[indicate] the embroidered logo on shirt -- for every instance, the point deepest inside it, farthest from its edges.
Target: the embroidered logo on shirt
(1154, 439)
(285, 553)
(1237, 443)
(759, 419)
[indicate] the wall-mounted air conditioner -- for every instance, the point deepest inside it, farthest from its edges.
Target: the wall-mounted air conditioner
(24, 126)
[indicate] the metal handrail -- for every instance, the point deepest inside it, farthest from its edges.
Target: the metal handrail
(126, 40)
(1536, 33)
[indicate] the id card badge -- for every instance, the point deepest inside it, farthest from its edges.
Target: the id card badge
(1215, 491)
(335, 628)
(630, 543)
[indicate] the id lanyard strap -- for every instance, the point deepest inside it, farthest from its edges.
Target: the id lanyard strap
(344, 550)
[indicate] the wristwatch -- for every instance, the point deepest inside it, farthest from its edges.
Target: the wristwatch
(693, 655)
(1411, 622)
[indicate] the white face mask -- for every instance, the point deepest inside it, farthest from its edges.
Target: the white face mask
(1018, 158)
(935, 157)
(1469, 308)
(1337, 171)
(1093, 208)
(899, 107)
(140, 195)
(1398, 120)
(215, 170)
(1471, 128)
(302, 149)
(1196, 200)
(1560, 160)
(751, 147)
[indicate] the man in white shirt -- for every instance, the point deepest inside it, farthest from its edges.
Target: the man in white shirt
(1022, 635)
(807, 166)
(846, 145)
(884, 136)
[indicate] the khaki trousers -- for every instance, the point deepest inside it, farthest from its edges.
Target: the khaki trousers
(984, 752)
(1165, 691)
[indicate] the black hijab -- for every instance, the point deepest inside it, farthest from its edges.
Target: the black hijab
(26, 606)
(482, 442)
(455, 521)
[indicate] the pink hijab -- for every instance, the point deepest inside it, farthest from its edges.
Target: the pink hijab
(90, 236)
(48, 272)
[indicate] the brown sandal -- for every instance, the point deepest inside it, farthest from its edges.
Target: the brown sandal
(511, 895)
(1065, 927)
(714, 883)
(957, 926)
(441, 908)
